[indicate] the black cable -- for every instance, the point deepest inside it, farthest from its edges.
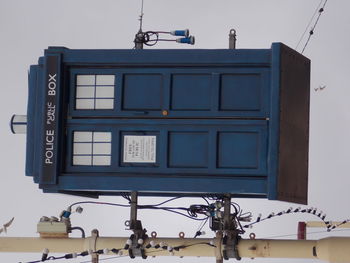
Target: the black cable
(167, 201)
(78, 228)
(203, 197)
(97, 203)
(312, 211)
(320, 11)
(308, 25)
(199, 231)
(192, 211)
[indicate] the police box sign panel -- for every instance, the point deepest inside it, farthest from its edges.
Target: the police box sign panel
(139, 149)
(50, 118)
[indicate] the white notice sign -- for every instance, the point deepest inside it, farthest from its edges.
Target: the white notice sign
(139, 149)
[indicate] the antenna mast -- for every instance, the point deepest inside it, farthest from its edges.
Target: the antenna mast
(139, 35)
(151, 38)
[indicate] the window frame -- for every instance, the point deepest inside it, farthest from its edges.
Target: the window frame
(91, 143)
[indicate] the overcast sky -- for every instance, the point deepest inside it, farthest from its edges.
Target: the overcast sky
(28, 27)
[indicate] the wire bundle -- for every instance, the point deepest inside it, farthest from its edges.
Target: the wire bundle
(312, 211)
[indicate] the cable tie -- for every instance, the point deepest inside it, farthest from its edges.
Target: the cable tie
(71, 255)
(84, 253)
(45, 254)
(297, 210)
(115, 251)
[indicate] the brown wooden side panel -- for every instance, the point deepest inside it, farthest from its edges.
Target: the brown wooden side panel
(292, 185)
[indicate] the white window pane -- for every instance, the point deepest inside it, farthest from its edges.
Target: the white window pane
(102, 137)
(85, 91)
(84, 104)
(82, 148)
(81, 160)
(104, 79)
(104, 104)
(102, 160)
(85, 79)
(104, 91)
(82, 136)
(102, 148)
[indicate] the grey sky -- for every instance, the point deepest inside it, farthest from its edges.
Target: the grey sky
(28, 27)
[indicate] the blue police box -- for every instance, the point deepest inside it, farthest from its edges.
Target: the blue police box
(170, 122)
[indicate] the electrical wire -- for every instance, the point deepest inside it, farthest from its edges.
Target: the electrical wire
(199, 231)
(320, 11)
(167, 201)
(78, 228)
(117, 251)
(97, 203)
(312, 211)
(308, 25)
(193, 211)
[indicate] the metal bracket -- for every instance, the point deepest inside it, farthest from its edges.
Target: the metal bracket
(230, 243)
(93, 241)
(232, 39)
(231, 235)
(136, 249)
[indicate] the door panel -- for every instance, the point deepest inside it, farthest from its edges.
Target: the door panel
(178, 93)
(178, 147)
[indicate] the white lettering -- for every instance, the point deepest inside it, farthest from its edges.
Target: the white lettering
(51, 85)
(52, 77)
(50, 137)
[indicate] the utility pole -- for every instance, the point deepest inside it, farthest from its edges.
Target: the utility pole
(331, 249)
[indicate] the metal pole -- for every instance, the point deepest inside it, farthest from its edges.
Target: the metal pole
(332, 249)
(133, 210)
(322, 224)
(93, 243)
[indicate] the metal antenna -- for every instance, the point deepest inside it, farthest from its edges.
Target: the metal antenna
(141, 16)
(139, 36)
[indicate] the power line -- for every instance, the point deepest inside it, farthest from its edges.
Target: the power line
(308, 25)
(320, 11)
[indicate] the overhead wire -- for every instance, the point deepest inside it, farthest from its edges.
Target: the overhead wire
(308, 25)
(311, 32)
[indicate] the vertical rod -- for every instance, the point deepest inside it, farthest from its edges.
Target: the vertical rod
(94, 236)
(133, 210)
(227, 212)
